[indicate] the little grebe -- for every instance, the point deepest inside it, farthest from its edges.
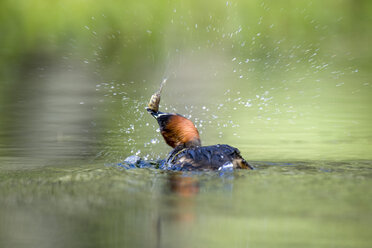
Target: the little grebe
(188, 153)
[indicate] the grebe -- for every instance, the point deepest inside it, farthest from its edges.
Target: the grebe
(188, 153)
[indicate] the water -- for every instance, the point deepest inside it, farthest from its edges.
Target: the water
(288, 84)
(307, 204)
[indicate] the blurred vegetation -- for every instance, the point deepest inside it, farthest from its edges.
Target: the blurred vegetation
(140, 34)
(138, 41)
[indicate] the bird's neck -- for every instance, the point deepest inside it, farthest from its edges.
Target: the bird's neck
(192, 143)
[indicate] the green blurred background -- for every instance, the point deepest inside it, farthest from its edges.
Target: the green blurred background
(278, 79)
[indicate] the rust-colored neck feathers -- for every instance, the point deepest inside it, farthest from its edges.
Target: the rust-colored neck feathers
(176, 129)
(179, 131)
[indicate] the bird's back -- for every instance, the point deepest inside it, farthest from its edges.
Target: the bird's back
(214, 157)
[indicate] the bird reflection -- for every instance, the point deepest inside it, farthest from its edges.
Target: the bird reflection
(179, 209)
(185, 186)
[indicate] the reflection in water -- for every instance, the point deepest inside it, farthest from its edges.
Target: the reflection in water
(184, 189)
(184, 186)
(49, 114)
(277, 205)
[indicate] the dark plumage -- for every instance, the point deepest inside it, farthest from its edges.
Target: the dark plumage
(188, 154)
(215, 157)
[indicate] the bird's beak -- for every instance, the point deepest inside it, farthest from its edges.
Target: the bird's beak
(152, 112)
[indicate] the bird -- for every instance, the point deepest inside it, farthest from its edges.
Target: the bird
(188, 154)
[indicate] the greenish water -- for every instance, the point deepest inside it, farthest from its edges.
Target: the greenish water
(302, 204)
(286, 82)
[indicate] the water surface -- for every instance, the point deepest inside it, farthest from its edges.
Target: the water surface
(307, 204)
